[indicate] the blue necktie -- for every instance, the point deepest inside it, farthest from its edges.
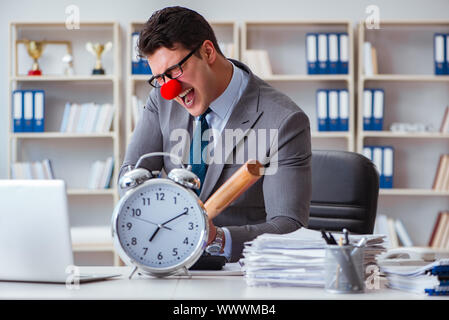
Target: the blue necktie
(199, 166)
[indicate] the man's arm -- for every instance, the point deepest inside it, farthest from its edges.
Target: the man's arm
(147, 137)
(287, 193)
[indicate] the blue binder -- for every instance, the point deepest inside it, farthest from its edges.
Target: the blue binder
(377, 153)
(144, 67)
(17, 110)
(367, 109)
(378, 109)
(38, 110)
(323, 53)
(333, 110)
(343, 110)
(439, 48)
(333, 53)
(386, 181)
(446, 69)
(28, 111)
(343, 53)
(312, 53)
(322, 110)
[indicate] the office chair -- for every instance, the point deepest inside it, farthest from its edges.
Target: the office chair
(345, 188)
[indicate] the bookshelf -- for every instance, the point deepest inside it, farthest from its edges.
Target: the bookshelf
(413, 94)
(286, 40)
(71, 153)
(226, 32)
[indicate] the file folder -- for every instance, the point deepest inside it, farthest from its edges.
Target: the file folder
(367, 109)
(378, 163)
(439, 53)
(446, 69)
(343, 110)
(322, 112)
(378, 109)
(333, 53)
(323, 54)
(343, 46)
(311, 57)
(28, 111)
(39, 110)
(145, 67)
(17, 111)
(387, 168)
(333, 110)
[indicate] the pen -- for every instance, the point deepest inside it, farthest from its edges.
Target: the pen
(359, 245)
(332, 239)
(346, 233)
(325, 237)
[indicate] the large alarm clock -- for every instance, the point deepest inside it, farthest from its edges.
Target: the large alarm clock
(160, 226)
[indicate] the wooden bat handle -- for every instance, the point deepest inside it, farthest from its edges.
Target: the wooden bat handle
(238, 183)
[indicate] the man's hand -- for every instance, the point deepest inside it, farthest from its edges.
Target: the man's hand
(212, 232)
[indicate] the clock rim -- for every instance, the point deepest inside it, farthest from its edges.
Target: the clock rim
(165, 271)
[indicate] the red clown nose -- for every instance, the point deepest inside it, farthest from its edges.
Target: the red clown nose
(171, 89)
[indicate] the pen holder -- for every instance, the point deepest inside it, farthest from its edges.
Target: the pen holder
(344, 269)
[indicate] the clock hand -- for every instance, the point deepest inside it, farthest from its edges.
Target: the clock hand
(154, 234)
(179, 215)
(148, 221)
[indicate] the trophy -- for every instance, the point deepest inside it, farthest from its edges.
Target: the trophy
(35, 49)
(97, 50)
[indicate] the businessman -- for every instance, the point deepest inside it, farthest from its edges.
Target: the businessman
(196, 87)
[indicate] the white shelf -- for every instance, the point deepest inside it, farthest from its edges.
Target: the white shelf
(55, 99)
(279, 38)
(412, 192)
(299, 77)
(331, 134)
(405, 77)
(61, 135)
(91, 192)
(404, 135)
(101, 247)
(140, 77)
(80, 78)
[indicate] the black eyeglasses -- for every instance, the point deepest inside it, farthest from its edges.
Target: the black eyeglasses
(173, 72)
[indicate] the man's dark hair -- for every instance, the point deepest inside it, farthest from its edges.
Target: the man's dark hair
(170, 26)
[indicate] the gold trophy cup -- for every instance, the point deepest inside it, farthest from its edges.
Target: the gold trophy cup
(35, 49)
(97, 50)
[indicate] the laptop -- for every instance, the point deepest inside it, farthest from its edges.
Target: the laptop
(35, 239)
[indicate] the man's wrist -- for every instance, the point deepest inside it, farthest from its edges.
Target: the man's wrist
(218, 243)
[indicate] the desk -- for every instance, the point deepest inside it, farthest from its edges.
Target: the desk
(183, 288)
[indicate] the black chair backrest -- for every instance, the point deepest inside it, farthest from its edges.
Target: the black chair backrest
(345, 188)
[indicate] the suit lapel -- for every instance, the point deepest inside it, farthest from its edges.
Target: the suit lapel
(243, 117)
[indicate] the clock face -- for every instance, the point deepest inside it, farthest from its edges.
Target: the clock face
(160, 225)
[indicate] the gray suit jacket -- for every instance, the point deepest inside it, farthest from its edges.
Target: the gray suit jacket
(276, 203)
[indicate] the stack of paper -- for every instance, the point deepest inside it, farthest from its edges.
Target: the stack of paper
(297, 258)
(431, 279)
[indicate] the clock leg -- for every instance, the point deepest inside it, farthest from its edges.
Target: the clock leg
(132, 273)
